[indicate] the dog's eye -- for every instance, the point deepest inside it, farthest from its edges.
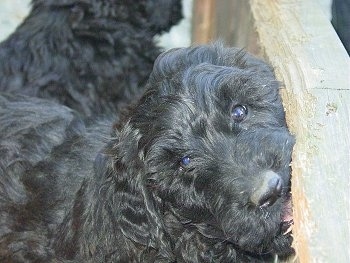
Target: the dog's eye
(239, 112)
(185, 161)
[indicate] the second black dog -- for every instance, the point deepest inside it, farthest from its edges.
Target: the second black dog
(90, 55)
(198, 171)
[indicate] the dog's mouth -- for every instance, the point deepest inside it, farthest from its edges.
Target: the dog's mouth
(287, 217)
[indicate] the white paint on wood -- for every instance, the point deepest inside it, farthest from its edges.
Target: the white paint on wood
(12, 12)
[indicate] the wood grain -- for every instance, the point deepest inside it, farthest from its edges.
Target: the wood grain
(203, 21)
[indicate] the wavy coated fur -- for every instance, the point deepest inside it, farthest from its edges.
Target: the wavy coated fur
(91, 55)
(71, 192)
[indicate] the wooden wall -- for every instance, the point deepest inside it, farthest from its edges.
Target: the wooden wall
(297, 38)
(228, 20)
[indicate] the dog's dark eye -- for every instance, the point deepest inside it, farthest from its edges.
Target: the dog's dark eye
(239, 112)
(185, 161)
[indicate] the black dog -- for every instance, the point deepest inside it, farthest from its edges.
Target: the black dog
(198, 171)
(91, 55)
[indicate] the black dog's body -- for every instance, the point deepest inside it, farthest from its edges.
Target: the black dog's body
(91, 55)
(181, 180)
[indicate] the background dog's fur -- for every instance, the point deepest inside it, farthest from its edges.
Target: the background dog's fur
(91, 55)
(75, 190)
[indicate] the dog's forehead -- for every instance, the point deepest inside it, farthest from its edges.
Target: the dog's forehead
(210, 79)
(212, 71)
(212, 85)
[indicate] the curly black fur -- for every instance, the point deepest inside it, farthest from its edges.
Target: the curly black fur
(70, 191)
(91, 55)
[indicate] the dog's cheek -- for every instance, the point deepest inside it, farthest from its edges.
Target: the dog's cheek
(179, 193)
(248, 227)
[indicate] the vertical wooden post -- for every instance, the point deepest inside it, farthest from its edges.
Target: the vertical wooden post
(203, 21)
(227, 20)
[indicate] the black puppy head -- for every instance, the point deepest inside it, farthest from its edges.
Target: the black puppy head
(213, 137)
(155, 16)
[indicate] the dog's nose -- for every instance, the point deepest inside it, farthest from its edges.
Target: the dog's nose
(269, 191)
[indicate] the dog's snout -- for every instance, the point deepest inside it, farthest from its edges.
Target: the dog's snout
(273, 192)
(269, 191)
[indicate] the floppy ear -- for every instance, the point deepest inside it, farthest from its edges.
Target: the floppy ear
(163, 14)
(139, 217)
(114, 215)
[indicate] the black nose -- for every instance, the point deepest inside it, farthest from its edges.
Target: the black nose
(269, 191)
(273, 192)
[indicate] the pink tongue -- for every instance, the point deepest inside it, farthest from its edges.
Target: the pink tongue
(287, 214)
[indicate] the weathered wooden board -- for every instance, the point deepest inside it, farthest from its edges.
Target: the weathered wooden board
(227, 20)
(203, 21)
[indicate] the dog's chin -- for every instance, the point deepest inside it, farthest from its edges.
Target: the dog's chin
(283, 241)
(281, 245)
(278, 222)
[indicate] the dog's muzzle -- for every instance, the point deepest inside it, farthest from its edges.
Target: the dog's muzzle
(269, 190)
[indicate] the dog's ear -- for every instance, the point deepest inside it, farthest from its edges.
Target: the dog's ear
(138, 216)
(163, 14)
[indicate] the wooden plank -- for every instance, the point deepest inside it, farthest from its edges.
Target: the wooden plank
(203, 21)
(299, 41)
(234, 25)
(227, 20)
